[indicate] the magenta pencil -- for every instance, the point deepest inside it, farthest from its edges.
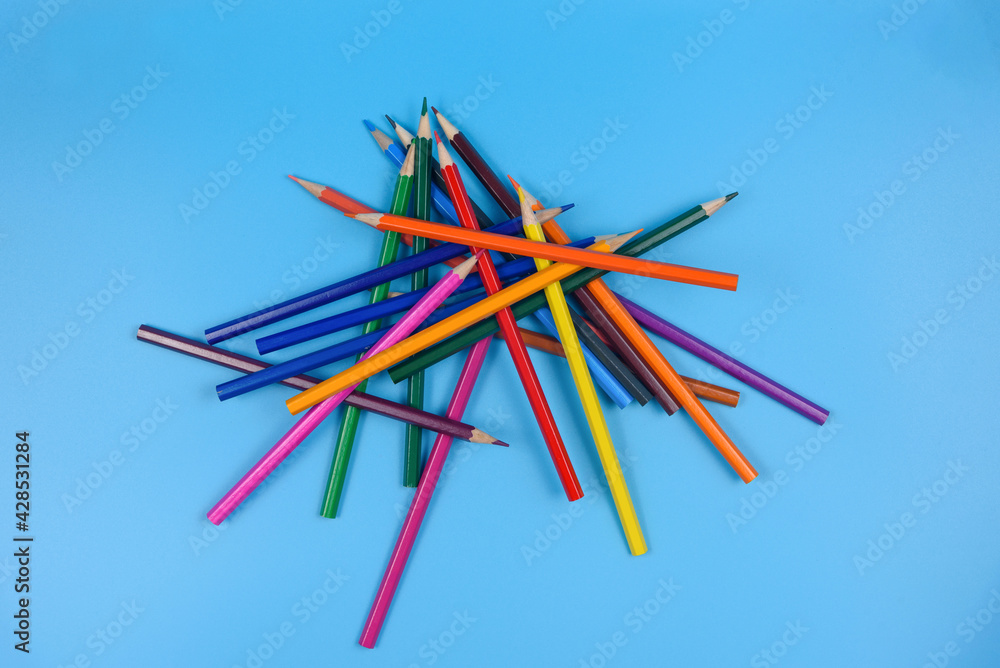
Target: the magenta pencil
(422, 497)
(308, 422)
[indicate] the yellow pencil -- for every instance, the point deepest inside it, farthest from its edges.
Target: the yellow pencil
(445, 328)
(585, 388)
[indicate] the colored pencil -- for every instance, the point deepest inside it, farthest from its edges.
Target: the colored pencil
(633, 362)
(637, 246)
(591, 338)
(421, 499)
(396, 303)
(441, 330)
(515, 345)
(724, 362)
(412, 450)
(555, 252)
(351, 416)
(398, 154)
(367, 402)
(393, 152)
(493, 183)
(652, 355)
(701, 389)
(599, 371)
(304, 426)
(349, 286)
(588, 395)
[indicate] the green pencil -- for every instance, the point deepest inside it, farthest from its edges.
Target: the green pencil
(422, 210)
(349, 424)
(527, 306)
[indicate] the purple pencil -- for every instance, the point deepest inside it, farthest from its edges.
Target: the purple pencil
(308, 422)
(422, 498)
(721, 360)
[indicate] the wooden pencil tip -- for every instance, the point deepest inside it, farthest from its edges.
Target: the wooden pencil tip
(480, 436)
(368, 124)
(391, 122)
(717, 203)
(371, 219)
(622, 239)
(515, 183)
(314, 188)
(433, 108)
(465, 268)
(423, 110)
(437, 140)
(407, 167)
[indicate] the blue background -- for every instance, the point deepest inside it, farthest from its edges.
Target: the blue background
(699, 92)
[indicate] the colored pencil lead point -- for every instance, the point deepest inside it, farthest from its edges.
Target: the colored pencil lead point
(622, 239)
(449, 130)
(466, 267)
(423, 110)
(391, 122)
(367, 218)
(369, 125)
(434, 110)
(314, 188)
(716, 204)
(424, 127)
(480, 436)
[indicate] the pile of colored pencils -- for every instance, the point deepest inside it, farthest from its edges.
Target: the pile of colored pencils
(495, 279)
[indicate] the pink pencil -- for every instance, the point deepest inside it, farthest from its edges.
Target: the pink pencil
(422, 498)
(291, 440)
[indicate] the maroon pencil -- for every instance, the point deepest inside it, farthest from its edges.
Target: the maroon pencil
(367, 402)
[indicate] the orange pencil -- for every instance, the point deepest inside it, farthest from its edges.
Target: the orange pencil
(547, 251)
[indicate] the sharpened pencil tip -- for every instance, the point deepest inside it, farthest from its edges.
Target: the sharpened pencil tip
(731, 195)
(516, 185)
(567, 207)
(391, 122)
(717, 203)
(314, 188)
(434, 109)
(437, 140)
(423, 110)
(502, 444)
(369, 125)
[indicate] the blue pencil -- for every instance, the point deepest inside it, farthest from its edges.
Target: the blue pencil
(350, 286)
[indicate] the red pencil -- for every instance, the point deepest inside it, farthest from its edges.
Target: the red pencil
(512, 337)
